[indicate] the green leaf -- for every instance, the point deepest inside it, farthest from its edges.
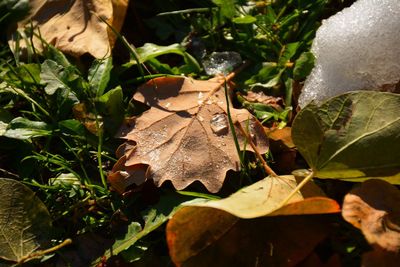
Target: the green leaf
(54, 76)
(288, 51)
(266, 73)
(148, 52)
(247, 19)
(99, 74)
(351, 136)
(21, 128)
(303, 65)
(24, 221)
(153, 218)
(72, 127)
(112, 108)
(57, 56)
(272, 82)
(227, 7)
(29, 73)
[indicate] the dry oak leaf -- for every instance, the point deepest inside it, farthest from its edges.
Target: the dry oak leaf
(185, 135)
(374, 209)
(74, 26)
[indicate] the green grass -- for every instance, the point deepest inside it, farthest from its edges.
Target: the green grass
(59, 115)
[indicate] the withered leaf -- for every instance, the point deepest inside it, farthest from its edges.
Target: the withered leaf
(374, 208)
(185, 135)
(250, 227)
(74, 27)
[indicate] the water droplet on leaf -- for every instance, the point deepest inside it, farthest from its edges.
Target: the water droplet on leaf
(219, 124)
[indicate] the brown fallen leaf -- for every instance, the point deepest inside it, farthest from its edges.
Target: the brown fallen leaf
(283, 149)
(374, 208)
(249, 228)
(261, 97)
(197, 237)
(185, 135)
(73, 26)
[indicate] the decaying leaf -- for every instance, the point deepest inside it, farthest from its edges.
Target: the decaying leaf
(283, 149)
(265, 197)
(374, 208)
(185, 135)
(351, 136)
(24, 221)
(73, 26)
(262, 98)
(214, 234)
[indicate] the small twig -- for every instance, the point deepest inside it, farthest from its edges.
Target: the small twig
(258, 154)
(10, 174)
(297, 189)
(41, 253)
(236, 71)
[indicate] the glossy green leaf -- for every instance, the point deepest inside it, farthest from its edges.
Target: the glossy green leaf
(244, 20)
(303, 65)
(148, 52)
(24, 221)
(351, 136)
(99, 74)
(21, 128)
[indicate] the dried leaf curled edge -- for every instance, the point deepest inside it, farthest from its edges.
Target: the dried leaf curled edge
(185, 135)
(374, 209)
(73, 26)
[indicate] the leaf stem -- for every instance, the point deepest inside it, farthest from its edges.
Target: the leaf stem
(41, 253)
(231, 125)
(297, 189)
(258, 154)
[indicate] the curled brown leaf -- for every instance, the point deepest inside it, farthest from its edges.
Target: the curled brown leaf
(374, 209)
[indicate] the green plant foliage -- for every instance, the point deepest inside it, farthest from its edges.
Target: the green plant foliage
(25, 222)
(55, 76)
(148, 53)
(12, 11)
(99, 75)
(354, 135)
(303, 65)
(153, 218)
(21, 128)
(247, 19)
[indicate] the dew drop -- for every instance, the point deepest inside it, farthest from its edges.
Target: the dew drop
(219, 124)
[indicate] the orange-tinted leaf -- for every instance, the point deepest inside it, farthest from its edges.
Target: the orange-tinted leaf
(374, 208)
(185, 135)
(211, 237)
(264, 198)
(250, 228)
